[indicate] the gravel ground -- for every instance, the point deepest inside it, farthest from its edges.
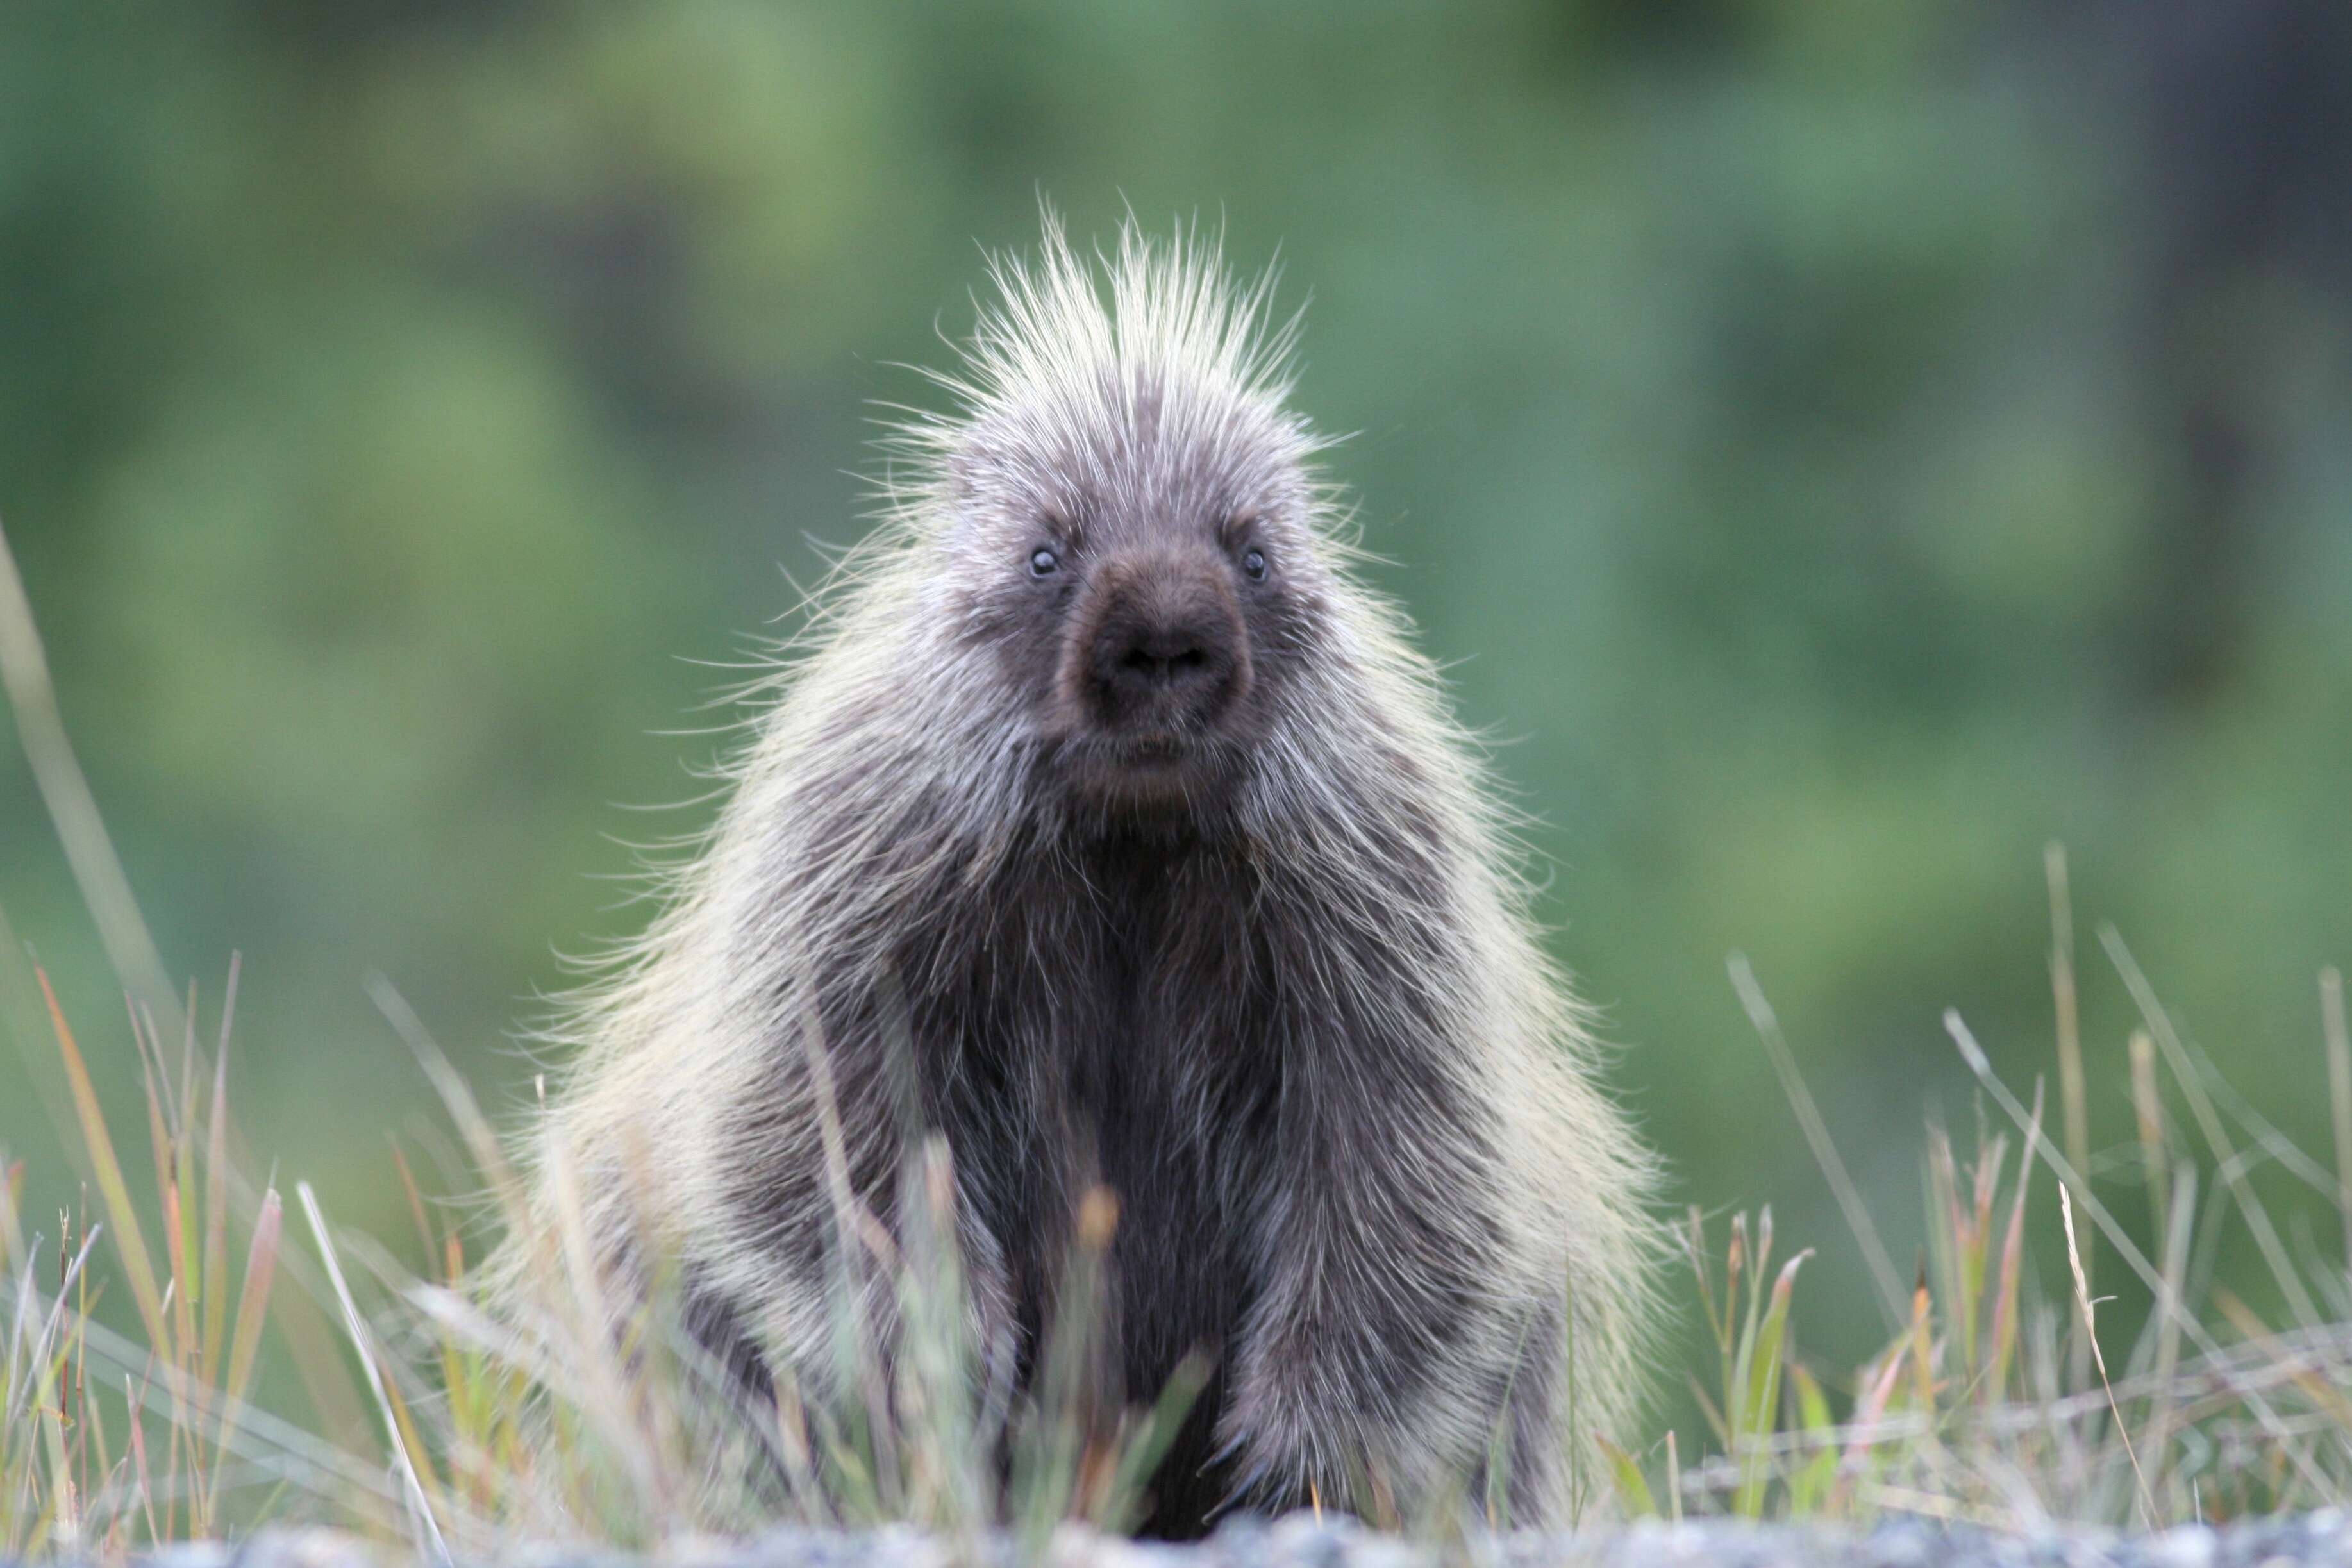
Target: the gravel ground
(1302, 1543)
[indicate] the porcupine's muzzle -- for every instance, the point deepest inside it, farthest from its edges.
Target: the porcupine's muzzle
(1160, 651)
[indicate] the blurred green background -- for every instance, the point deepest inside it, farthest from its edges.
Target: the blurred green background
(1837, 448)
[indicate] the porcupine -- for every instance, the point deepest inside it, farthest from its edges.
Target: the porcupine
(1103, 815)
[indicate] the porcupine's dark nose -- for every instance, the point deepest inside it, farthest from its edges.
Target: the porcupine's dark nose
(1161, 659)
(1167, 652)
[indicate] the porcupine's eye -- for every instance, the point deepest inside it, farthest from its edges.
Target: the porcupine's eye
(1044, 562)
(1253, 564)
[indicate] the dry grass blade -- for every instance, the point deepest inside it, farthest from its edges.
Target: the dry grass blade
(116, 1192)
(2164, 1395)
(2088, 1307)
(2072, 1098)
(252, 1305)
(2148, 1117)
(2339, 1092)
(427, 1525)
(217, 1166)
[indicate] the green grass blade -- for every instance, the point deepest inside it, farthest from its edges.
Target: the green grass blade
(1633, 1494)
(1763, 1359)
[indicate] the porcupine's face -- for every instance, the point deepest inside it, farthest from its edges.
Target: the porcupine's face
(1142, 570)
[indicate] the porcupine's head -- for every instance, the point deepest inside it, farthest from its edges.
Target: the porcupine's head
(1130, 531)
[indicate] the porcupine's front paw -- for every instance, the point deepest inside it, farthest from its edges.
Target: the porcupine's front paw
(1292, 1431)
(1265, 1445)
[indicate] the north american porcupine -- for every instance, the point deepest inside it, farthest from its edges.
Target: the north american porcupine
(1102, 814)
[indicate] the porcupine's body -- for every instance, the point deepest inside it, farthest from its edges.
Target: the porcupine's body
(1105, 812)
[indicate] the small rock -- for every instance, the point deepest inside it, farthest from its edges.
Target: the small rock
(2187, 1546)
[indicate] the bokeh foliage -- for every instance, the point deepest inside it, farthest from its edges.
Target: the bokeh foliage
(1839, 447)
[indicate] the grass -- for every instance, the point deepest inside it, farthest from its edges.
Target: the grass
(1992, 1403)
(458, 1422)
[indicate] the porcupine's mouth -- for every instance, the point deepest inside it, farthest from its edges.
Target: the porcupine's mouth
(1155, 751)
(1152, 776)
(1141, 768)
